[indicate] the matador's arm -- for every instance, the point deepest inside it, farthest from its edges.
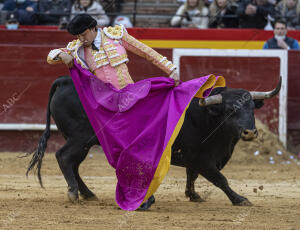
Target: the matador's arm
(70, 49)
(139, 48)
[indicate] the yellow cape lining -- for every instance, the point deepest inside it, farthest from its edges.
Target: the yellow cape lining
(164, 163)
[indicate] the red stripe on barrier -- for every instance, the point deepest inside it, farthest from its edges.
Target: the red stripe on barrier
(199, 34)
(50, 34)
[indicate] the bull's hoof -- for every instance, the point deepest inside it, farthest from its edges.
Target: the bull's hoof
(89, 198)
(73, 197)
(196, 199)
(145, 206)
(245, 202)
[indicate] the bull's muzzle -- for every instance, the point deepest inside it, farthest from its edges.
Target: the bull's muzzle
(249, 134)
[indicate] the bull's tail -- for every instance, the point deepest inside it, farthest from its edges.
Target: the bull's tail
(39, 153)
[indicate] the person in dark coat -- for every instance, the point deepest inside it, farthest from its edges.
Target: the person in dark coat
(287, 10)
(25, 10)
(222, 14)
(51, 12)
(254, 13)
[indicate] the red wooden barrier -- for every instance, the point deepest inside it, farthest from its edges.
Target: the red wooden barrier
(23, 67)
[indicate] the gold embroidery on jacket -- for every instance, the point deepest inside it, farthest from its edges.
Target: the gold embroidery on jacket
(118, 60)
(114, 57)
(120, 76)
(115, 32)
(73, 45)
(113, 53)
(128, 78)
(110, 47)
(100, 56)
(102, 62)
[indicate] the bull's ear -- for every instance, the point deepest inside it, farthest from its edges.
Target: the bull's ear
(258, 103)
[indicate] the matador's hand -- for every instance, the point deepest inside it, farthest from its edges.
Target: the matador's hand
(66, 58)
(177, 82)
(175, 76)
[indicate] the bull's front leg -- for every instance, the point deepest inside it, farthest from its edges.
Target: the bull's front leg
(190, 186)
(218, 179)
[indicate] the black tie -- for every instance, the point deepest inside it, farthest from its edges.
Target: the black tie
(94, 47)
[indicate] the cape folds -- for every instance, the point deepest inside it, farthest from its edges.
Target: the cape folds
(137, 125)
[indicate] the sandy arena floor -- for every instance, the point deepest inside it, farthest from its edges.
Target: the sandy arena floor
(273, 189)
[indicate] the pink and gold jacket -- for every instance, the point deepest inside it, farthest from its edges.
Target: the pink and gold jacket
(109, 63)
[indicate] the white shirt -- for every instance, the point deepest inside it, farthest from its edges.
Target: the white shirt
(97, 43)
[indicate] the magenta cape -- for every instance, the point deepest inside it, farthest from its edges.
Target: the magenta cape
(137, 125)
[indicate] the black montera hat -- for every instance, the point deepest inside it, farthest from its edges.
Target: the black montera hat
(12, 17)
(81, 23)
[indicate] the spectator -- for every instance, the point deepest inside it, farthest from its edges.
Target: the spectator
(280, 40)
(63, 23)
(3, 14)
(25, 10)
(222, 14)
(207, 3)
(287, 9)
(92, 8)
(122, 20)
(254, 13)
(12, 22)
(192, 14)
(52, 11)
(114, 6)
(118, 5)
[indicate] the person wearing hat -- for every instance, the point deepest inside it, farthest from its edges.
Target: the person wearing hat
(12, 22)
(136, 123)
(105, 49)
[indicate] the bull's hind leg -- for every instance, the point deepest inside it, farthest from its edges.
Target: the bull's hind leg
(213, 175)
(66, 158)
(85, 192)
(190, 186)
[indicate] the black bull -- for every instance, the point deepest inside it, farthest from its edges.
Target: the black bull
(210, 131)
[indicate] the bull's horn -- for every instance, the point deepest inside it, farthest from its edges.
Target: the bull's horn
(211, 100)
(269, 94)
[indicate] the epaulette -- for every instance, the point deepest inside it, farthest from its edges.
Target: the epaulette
(115, 32)
(73, 45)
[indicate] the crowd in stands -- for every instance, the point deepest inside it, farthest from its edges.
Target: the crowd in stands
(53, 12)
(258, 14)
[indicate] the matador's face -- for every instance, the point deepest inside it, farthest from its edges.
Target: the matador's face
(88, 36)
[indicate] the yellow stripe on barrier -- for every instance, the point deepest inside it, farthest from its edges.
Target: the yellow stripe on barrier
(204, 44)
